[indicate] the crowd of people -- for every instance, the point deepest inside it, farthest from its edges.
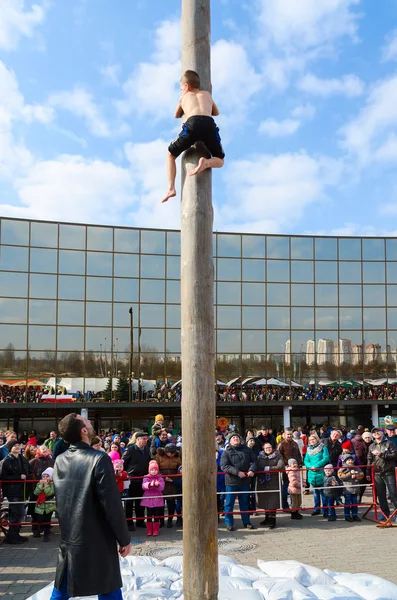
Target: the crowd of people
(266, 471)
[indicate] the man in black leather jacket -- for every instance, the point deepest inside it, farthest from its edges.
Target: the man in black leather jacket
(382, 456)
(91, 517)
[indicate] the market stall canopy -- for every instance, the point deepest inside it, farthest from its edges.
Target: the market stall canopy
(277, 382)
(297, 385)
(232, 381)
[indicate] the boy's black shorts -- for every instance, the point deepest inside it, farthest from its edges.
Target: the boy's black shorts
(198, 129)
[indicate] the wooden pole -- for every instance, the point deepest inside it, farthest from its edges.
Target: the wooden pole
(200, 523)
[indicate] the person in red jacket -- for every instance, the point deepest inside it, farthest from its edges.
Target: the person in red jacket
(121, 475)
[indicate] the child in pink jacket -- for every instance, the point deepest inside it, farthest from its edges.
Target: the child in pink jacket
(294, 487)
(153, 485)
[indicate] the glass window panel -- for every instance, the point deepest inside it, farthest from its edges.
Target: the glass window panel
(278, 294)
(302, 294)
(100, 238)
(229, 341)
(254, 317)
(153, 267)
(121, 315)
(13, 259)
(229, 317)
(173, 242)
(392, 295)
(350, 318)
(391, 269)
(15, 232)
(152, 242)
(374, 318)
(229, 293)
(44, 234)
(174, 291)
(13, 310)
(303, 341)
(254, 270)
(98, 339)
(100, 288)
(13, 334)
(72, 236)
(350, 295)
(173, 343)
(392, 318)
(43, 286)
(43, 261)
(326, 271)
(302, 318)
(152, 340)
(72, 262)
(121, 342)
(277, 247)
(70, 339)
(355, 337)
(254, 246)
(254, 341)
(326, 318)
(278, 342)
(326, 248)
(70, 313)
(278, 318)
(373, 272)
(278, 270)
(14, 284)
(173, 315)
(391, 249)
(374, 295)
(349, 272)
(173, 267)
(326, 344)
(349, 249)
(152, 291)
(98, 313)
(373, 249)
(374, 338)
(126, 240)
(301, 247)
(42, 338)
(126, 265)
(99, 263)
(326, 295)
(42, 312)
(302, 271)
(254, 293)
(69, 288)
(152, 315)
(126, 290)
(228, 269)
(229, 245)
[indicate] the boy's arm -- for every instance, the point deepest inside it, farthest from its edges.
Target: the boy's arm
(179, 110)
(215, 109)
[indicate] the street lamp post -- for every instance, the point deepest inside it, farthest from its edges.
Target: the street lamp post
(111, 385)
(131, 352)
(132, 383)
(140, 378)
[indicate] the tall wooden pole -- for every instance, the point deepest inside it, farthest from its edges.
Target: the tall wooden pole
(200, 523)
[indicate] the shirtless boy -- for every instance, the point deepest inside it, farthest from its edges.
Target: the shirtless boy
(198, 107)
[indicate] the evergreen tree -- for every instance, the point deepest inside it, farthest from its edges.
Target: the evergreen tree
(122, 390)
(107, 393)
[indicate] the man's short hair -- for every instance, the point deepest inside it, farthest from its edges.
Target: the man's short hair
(192, 79)
(70, 428)
(288, 430)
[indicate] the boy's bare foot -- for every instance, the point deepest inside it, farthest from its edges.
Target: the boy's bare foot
(170, 194)
(202, 165)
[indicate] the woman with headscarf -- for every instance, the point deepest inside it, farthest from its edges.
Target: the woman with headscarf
(317, 456)
(269, 459)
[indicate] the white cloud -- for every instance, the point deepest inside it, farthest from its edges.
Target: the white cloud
(111, 74)
(371, 135)
(304, 111)
(16, 22)
(348, 85)
(389, 50)
(283, 128)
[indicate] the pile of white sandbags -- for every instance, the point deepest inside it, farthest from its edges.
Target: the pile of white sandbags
(146, 578)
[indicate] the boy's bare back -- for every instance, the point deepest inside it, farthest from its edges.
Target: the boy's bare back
(197, 103)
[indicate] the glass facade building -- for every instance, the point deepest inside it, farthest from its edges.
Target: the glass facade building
(292, 307)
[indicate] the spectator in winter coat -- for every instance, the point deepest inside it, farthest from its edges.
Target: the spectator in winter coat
(169, 461)
(239, 464)
(298, 440)
(382, 454)
(334, 446)
(14, 468)
(346, 452)
(294, 487)
(269, 464)
(391, 434)
(11, 437)
(263, 436)
(60, 447)
(153, 485)
(136, 463)
(331, 492)
(350, 476)
(45, 504)
(220, 482)
(288, 448)
(360, 449)
(315, 460)
(159, 442)
(52, 440)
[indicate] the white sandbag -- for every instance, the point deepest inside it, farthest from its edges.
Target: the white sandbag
(226, 559)
(174, 562)
(368, 586)
(224, 569)
(334, 592)
(306, 575)
(177, 585)
(238, 595)
(162, 573)
(282, 588)
(44, 594)
(155, 583)
(333, 573)
(149, 595)
(234, 583)
(134, 561)
(246, 572)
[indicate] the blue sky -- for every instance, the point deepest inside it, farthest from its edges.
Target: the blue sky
(307, 92)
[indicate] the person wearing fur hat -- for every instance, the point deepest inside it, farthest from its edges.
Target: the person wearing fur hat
(153, 485)
(316, 458)
(45, 503)
(136, 462)
(351, 476)
(169, 461)
(294, 487)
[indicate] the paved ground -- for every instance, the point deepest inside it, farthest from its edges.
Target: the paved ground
(339, 546)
